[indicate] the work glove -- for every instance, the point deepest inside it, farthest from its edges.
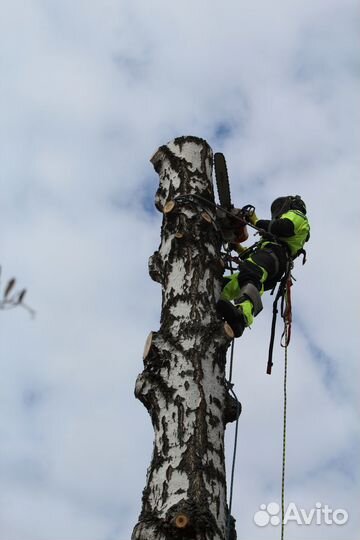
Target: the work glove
(249, 214)
(252, 218)
(237, 247)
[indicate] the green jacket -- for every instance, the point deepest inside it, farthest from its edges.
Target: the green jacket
(301, 231)
(291, 228)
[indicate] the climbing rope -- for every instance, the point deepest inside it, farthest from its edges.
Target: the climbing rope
(238, 410)
(230, 266)
(286, 311)
(230, 387)
(284, 445)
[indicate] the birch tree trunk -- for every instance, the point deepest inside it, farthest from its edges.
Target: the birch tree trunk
(183, 382)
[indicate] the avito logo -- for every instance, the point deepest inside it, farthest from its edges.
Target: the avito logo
(320, 515)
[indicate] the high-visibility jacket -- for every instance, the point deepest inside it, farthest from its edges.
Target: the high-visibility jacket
(291, 229)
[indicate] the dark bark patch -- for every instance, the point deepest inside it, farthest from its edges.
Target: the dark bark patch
(156, 267)
(214, 421)
(181, 428)
(164, 438)
(165, 492)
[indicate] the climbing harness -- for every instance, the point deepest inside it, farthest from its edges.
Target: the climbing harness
(228, 258)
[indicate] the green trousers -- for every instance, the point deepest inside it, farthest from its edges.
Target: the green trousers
(231, 292)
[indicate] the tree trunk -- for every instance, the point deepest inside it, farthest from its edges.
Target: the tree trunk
(183, 382)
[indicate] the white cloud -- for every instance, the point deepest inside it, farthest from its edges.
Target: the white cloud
(89, 91)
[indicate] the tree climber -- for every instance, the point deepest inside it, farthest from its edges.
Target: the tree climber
(266, 264)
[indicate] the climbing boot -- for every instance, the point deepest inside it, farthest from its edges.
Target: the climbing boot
(232, 315)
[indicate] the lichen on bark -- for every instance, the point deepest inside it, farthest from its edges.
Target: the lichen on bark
(183, 381)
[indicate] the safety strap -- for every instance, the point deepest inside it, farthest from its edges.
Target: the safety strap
(303, 253)
(280, 294)
(273, 328)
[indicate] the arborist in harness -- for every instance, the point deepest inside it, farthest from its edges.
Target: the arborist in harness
(283, 239)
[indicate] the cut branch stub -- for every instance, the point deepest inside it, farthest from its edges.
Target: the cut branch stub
(206, 217)
(181, 521)
(169, 207)
(147, 347)
(229, 331)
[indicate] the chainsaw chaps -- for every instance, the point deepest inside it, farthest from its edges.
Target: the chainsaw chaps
(222, 181)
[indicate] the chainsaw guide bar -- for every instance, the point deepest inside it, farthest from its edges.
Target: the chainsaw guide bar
(222, 180)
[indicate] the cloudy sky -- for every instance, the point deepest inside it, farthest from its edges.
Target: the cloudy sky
(89, 90)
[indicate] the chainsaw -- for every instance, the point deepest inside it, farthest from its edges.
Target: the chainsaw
(232, 221)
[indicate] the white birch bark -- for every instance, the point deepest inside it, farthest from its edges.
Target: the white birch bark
(183, 382)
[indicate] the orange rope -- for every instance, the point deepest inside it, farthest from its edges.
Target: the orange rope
(287, 315)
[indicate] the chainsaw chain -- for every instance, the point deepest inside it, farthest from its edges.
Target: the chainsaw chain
(222, 180)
